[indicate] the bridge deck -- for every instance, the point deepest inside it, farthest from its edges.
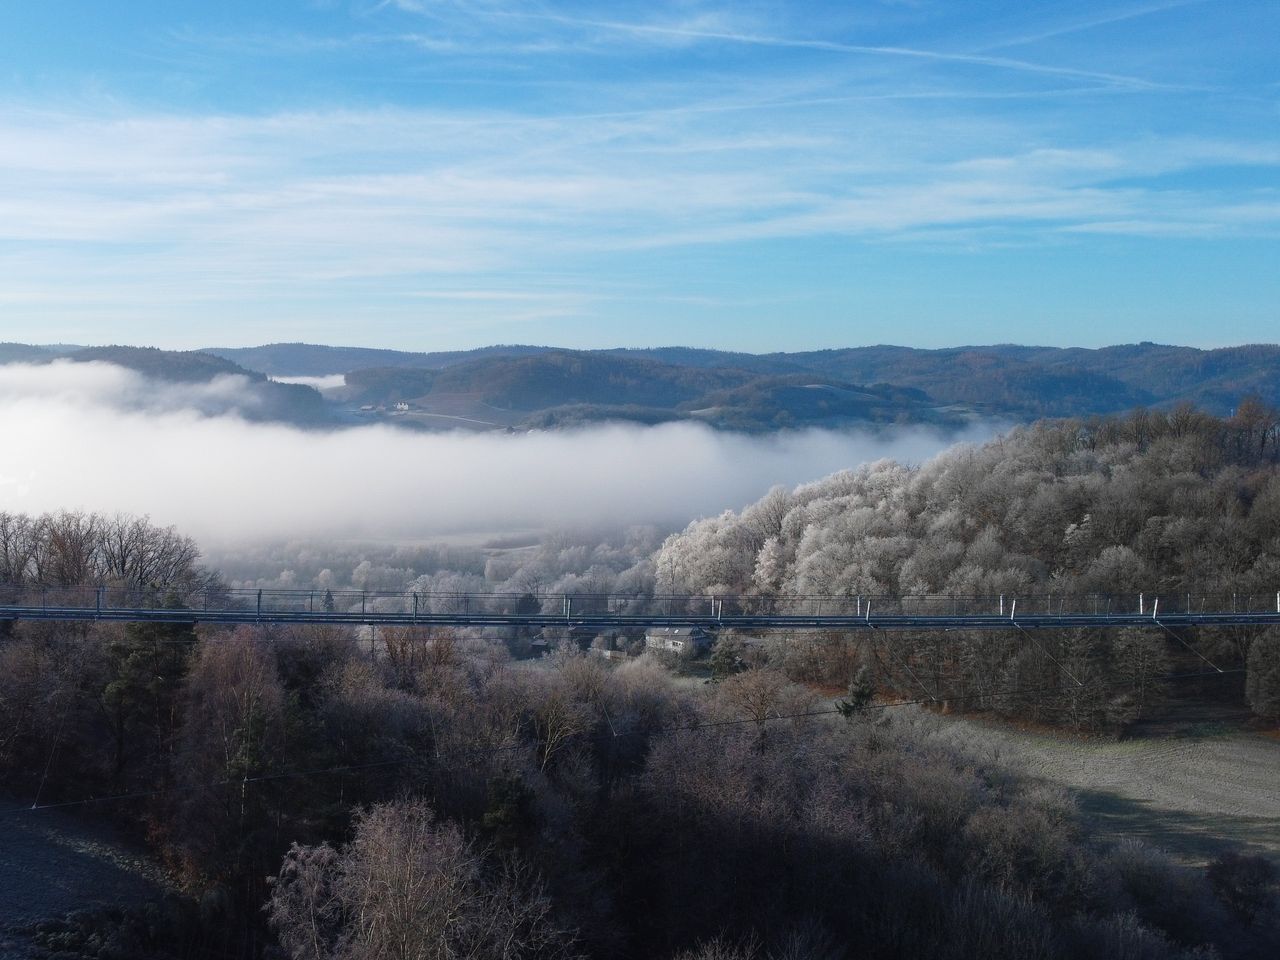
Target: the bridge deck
(621, 621)
(135, 604)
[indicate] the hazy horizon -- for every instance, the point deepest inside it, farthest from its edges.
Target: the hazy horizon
(676, 345)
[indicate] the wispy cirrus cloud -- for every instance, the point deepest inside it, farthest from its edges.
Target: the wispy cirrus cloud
(694, 32)
(513, 27)
(170, 211)
(1092, 23)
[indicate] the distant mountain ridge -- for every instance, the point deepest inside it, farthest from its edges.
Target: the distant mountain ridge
(522, 386)
(316, 360)
(1066, 381)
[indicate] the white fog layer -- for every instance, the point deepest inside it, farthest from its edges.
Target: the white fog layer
(97, 437)
(332, 381)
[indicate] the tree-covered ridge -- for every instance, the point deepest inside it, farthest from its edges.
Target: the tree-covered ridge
(235, 390)
(1162, 504)
(1057, 381)
(182, 366)
(1002, 379)
(749, 392)
(1157, 502)
(563, 388)
(526, 384)
(530, 387)
(24, 353)
(316, 360)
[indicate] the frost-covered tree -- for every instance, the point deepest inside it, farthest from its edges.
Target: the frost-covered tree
(1263, 683)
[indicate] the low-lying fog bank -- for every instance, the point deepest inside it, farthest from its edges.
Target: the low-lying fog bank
(95, 437)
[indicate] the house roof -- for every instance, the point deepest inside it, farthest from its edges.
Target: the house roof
(675, 632)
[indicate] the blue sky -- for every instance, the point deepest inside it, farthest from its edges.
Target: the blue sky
(755, 175)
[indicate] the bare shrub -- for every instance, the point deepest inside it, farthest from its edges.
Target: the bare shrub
(722, 948)
(409, 887)
(1164, 895)
(1246, 884)
(762, 694)
(985, 921)
(1124, 937)
(1025, 847)
(557, 720)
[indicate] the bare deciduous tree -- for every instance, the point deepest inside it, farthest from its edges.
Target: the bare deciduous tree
(410, 887)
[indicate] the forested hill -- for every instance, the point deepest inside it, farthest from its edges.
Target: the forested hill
(525, 387)
(1051, 381)
(1168, 506)
(520, 387)
(1002, 380)
(564, 388)
(1152, 502)
(254, 397)
(315, 360)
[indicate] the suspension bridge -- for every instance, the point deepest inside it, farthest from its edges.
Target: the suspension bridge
(632, 613)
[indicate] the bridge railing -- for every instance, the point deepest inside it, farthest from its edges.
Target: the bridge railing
(356, 603)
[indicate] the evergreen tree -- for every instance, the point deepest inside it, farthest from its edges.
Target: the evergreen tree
(726, 656)
(145, 667)
(862, 691)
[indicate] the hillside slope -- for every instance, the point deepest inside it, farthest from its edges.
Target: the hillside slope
(567, 388)
(524, 386)
(1005, 380)
(254, 397)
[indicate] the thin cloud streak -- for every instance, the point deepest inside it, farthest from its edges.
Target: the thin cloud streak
(1093, 23)
(829, 46)
(695, 30)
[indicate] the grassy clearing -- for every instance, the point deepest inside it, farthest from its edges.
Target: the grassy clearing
(1206, 787)
(53, 862)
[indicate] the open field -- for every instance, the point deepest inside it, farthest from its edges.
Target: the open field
(53, 862)
(1197, 789)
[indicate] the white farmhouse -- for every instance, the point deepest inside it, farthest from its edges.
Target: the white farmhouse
(690, 640)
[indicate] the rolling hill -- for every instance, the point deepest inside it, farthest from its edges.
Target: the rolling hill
(560, 388)
(1002, 379)
(538, 387)
(258, 398)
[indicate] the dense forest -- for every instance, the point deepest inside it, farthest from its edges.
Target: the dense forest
(574, 810)
(578, 807)
(1167, 505)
